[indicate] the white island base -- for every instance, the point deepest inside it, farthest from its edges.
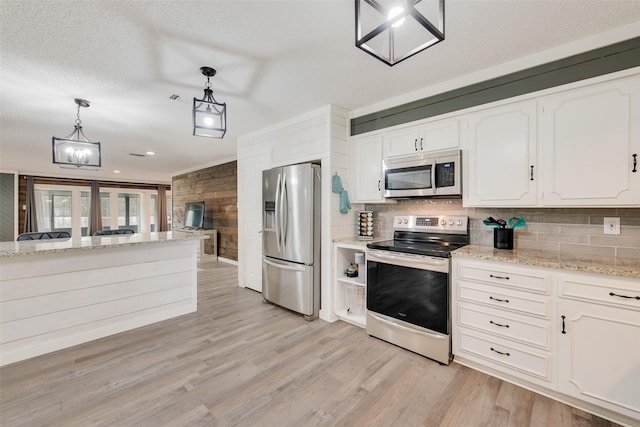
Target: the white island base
(56, 297)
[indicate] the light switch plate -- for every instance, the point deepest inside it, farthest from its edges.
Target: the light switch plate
(611, 225)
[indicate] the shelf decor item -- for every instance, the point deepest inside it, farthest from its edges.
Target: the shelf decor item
(394, 30)
(364, 225)
(75, 150)
(209, 116)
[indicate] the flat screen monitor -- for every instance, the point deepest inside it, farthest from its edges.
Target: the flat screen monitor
(194, 215)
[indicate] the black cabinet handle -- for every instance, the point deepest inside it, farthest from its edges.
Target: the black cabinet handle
(499, 277)
(531, 173)
(498, 299)
(378, 185)
(498, 324)
(563, 325)
(415, 144)
(635, 163)
(500, 352)
(421, 144)
(624, 296)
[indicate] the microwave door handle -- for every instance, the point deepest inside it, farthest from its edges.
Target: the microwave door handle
(433, 176)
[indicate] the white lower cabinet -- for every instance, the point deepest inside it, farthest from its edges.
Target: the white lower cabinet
(350, 292)
(502, 319)
(599, 342)
(572, 336)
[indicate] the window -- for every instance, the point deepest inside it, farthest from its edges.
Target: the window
(85, 207)
(68, 208)
(105, 206)
(129, 211)
(53, 209)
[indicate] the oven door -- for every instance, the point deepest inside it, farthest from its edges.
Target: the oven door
(408, 302)
(409, 288)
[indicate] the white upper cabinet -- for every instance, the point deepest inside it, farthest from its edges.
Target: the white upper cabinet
(366, 168)
(499, 156)
(588, 138)
(434, 136)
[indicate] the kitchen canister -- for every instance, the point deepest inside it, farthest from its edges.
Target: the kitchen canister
(503, 238)
(364, 225)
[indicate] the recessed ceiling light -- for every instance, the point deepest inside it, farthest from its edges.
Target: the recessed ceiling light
(151, 153)
(116, 171)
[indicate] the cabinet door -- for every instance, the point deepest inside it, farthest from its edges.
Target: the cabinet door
(499, 156)
(599, 355)
(402, 142)
(440, 135)
(366, 166)
(250, 223)
(588, 138)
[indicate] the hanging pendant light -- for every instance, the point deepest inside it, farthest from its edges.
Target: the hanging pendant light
(394, 30)
(209, 116)
(75, 150)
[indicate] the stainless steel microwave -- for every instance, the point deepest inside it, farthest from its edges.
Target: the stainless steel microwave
(424, 175)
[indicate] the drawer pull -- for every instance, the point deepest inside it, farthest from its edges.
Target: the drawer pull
(498, 299)
(498, 324)
(563, 325)
(624, 296)
(499, 277)
(499, 352)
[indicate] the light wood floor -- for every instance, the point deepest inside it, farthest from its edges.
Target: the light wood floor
(239, 362)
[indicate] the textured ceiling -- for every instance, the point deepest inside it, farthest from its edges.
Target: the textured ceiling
(275, 59)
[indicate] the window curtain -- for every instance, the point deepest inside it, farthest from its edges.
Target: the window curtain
(163, 224)
(30, 220)
(95, 209)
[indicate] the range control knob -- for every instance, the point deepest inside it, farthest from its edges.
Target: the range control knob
(443, 222)
(450, 222)
(405, 221)
(399, 221)
(459, 223)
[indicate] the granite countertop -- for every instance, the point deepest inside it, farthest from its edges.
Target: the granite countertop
(360, 242)
(34, 247)
(613, 266)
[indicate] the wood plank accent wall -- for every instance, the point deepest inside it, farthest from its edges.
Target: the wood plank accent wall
(217, 186)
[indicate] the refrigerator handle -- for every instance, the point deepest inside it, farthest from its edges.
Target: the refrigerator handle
(277, 212)
(285, 212)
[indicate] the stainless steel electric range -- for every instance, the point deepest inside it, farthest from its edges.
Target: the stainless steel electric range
(409, 285)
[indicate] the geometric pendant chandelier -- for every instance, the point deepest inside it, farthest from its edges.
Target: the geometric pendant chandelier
(75, 150)
(209, 116)
(394, 30)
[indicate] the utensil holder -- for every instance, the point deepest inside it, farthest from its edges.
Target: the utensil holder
(503, 238)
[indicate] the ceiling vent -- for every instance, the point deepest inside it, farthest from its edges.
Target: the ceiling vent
(174, 97)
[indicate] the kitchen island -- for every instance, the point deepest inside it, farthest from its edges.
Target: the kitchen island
(59, 293)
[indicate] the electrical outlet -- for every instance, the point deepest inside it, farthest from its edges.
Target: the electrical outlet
(612, 225)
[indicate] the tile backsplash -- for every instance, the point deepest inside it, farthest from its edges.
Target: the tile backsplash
(569, 230)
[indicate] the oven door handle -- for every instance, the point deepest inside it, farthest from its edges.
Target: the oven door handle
(430, 261)
(414, 331)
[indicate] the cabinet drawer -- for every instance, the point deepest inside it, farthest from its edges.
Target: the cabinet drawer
(507, 325)
(506, 299)
(511, 277)
(601, 290)
(520, 361)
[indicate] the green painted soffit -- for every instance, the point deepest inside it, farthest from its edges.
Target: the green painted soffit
(608, 59)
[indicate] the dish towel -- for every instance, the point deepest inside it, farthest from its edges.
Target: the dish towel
(345, 204)
(336, 187)
(336, 184)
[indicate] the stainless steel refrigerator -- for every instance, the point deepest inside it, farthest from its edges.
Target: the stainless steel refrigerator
(291, 238)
